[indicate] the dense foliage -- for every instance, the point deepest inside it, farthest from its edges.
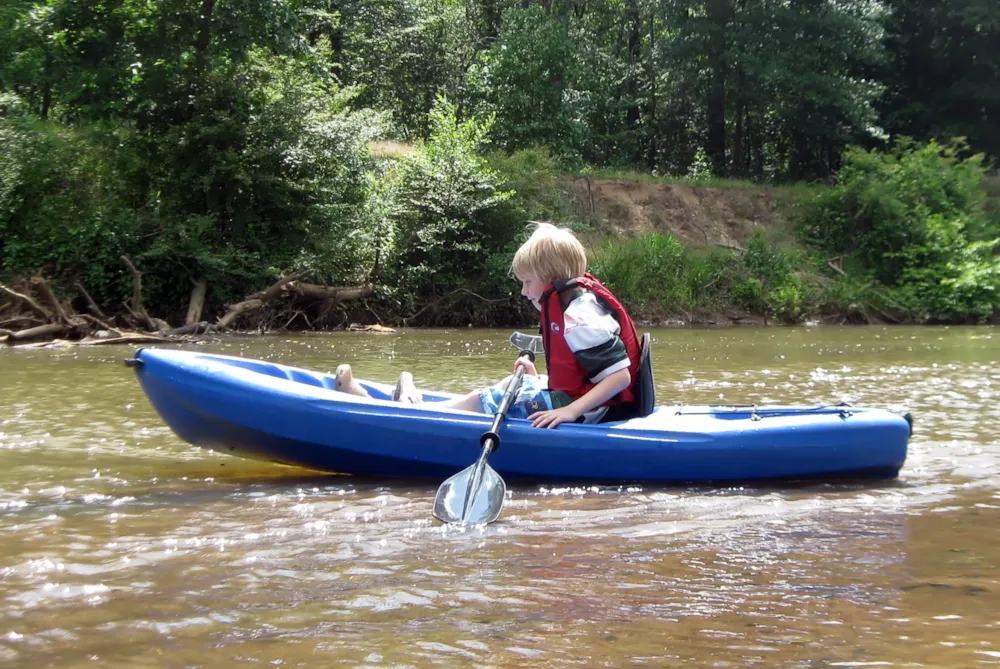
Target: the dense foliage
(230, 141)
(913, 219)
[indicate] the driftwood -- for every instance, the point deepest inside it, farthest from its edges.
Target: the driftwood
(197, 303)
(44, 316)
(126, 338)
(43, 289)
(445, 296)
(290, 285)
(47, 330)
(376, 329)
(136, 307)
(201, 327)
(258, 299)
(27, 300)
(21, 321)
(336, 293)
(95, 310)
(32, 310)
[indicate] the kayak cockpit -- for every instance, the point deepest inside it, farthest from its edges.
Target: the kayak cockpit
(376, 390)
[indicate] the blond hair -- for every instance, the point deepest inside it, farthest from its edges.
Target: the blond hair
(550, 254)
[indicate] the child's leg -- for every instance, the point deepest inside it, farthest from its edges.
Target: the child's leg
(469, 402)
(345, 383)
(405, 391)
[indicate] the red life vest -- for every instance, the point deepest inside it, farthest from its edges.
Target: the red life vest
(565, 373)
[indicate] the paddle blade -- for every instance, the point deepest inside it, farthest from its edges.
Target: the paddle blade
(527, 342)
(449, 503)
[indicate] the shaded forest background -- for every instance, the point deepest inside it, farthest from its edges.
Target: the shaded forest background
(402, 145)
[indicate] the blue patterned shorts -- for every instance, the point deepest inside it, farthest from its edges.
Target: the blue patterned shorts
(532, 396)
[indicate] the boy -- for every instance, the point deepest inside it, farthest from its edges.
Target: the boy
(591, 345)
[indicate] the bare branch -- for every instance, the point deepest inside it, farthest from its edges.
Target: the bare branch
(34, 306)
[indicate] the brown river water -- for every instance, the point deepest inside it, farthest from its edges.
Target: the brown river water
(121, 546)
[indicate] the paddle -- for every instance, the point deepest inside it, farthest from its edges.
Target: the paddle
(526, 342)
(476, 494)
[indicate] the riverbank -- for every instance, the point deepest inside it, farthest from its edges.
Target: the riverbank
(893, 241)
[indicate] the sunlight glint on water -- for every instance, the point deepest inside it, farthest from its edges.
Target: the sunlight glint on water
(122, 546)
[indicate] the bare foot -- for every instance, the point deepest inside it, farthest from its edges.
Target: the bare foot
(405, 391)
(345, 382)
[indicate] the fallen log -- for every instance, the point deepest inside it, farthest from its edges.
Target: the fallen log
(47, 330)
(21, 321)
(258, 299)
(336, 293)
(291, 285)
(126, 338)
(201, 327)
(377, 329)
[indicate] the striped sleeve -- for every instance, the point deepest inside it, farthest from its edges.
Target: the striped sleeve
(591, 332)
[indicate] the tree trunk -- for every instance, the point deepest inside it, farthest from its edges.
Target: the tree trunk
(652, 150)
(633, 114)
(739, 168)
(719, 12)
(204, 38)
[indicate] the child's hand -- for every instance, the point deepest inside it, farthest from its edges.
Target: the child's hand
(529, 367)
(553, 417)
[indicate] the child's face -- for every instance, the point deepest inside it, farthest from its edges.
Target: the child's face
(532, 288)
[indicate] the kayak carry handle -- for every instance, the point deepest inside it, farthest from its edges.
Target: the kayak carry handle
(134, 361)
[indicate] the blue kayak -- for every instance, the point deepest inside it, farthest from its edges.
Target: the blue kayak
(263, 410)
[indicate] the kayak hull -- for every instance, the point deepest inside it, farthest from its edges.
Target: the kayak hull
(272, 412)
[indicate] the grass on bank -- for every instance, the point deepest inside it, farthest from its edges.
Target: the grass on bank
(793, 190)
(907, 235)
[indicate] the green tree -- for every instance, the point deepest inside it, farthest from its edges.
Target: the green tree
(942, 78)
(444, 224)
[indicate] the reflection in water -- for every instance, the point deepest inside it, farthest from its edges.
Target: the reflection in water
(122, 546)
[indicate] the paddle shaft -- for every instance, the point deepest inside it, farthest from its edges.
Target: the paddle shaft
(491, 438)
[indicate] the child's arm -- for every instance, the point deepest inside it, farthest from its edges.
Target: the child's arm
(605, 389)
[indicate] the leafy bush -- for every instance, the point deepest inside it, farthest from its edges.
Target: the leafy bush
(533, 177)
(914, 219)
(647, 273)
(269, 172)
(61, 209)
(442, 201)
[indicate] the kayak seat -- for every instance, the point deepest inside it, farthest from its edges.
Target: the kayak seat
(645, 389)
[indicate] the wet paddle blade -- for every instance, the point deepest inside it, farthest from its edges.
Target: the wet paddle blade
(527, 342)
(449, 503)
